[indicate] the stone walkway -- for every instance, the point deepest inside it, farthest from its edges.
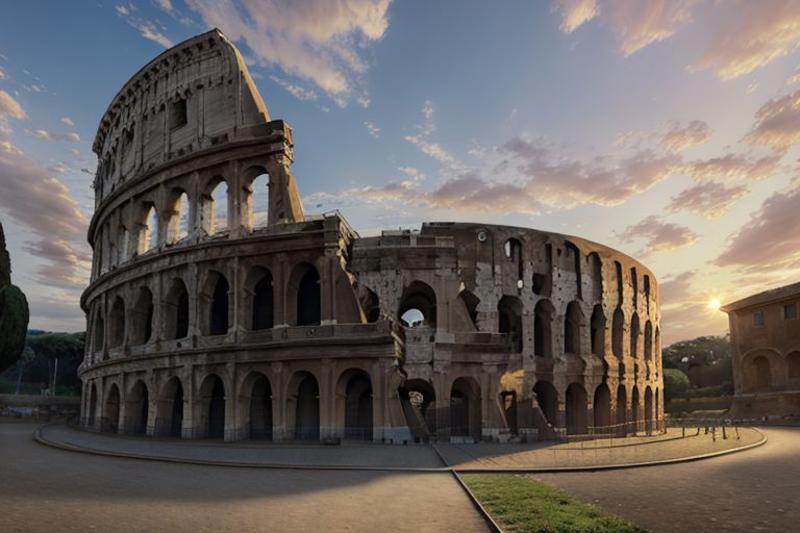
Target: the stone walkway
(44, 489)
(758, 490)
(465, 457)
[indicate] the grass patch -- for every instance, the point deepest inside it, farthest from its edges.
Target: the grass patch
(521, 504)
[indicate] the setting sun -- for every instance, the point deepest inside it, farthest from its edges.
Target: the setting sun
(714, 304)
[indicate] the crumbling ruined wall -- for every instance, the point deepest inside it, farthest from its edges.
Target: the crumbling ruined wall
(13, 312)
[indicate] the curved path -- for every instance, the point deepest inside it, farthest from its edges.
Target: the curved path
(758, 490)
(46, 489)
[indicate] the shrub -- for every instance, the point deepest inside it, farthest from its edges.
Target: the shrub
(676, 383)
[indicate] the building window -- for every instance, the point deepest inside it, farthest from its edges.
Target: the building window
(178, 114)
(758, 318)
(790, 311)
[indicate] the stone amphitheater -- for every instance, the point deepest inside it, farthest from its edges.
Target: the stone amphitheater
(218, 309)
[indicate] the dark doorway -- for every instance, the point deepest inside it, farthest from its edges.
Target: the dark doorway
(261, 409)
(308, 299)
(307, 412)
(219, 307)
(358, 408)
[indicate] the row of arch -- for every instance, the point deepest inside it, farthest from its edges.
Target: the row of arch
(136, 322)
(765, 370)
(180, 216)
(418, 308)
(165, 414)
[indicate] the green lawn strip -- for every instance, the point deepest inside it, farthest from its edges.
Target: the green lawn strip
(521, 504)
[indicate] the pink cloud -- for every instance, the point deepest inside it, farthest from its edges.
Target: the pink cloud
(710, 199)
(658, 236)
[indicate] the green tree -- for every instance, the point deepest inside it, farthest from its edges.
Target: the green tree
(676, 383)
(13, 312)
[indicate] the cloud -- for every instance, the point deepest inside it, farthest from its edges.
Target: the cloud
(373, 130)
(679, 138)
(777, 123)
(710, 199)
(166, 6)
(2, 74)
(770, 240)
(146, 28)
(423, 141)
(67, 121)
(45, 135)
(10, 108)
(677, 288)
(639, 23)
(317, 40)
(574, 13)
(734, 165)
(301, 93)
(659, 236)
(42, 204)
(751, 35)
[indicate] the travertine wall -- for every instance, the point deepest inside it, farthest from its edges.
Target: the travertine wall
(202, 323)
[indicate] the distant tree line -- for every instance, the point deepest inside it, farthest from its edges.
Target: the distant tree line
(698, 368)
(37, 368)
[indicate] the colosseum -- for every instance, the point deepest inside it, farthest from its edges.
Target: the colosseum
(217, 308)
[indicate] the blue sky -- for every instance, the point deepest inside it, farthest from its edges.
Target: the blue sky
(666, 129)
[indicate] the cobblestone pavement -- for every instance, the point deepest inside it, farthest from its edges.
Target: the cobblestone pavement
(614, 451)
(45, 489)
(757, 490)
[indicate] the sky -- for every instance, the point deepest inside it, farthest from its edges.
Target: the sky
(665, 129)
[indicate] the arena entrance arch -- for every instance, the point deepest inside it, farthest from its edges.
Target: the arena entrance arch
(354, 400)
(648, 410)
(257, 406)
(547, 399)
(304, 394)
(110, 420)
(465, 409)
(136, 409)
(576, 409)
(92, 405)
(169, 414)
(635, 409)
(602, 408)
(212, 406)
(416, 397)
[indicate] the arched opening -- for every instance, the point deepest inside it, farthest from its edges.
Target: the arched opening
(258, 202)
(635, 335)
(634, 425)
(793, 365)
(305, 296)
(648, 410)
(602, 409)
(622, 400)
(92, 405)
(471, 304)
(761, 373)
(110, 420)
(306, 412)
(142, 323)
(542, 335)
(212, 404)
(597, 276)
(178, 226)
(218, 322)
(116, 330)
(576, 410)
(616, 333)
(176, 311)
(169, 415)
(355, 387)
(547, 400)
(465, 409)
(598, 331)
(648, 341)
(262, 315)
(123, 242)
(573, 320)
(513, 252)
(416, 397)
(137, 409)
(260, 407)
(370, 304)
(148, 230)
(99, 331)
(509, 311)
(215, 208)
(418, 306)
(508, 400)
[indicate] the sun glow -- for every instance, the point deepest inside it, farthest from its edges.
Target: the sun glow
(714, 304)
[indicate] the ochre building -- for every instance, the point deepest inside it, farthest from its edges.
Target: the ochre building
(765, 352)
(218, 308)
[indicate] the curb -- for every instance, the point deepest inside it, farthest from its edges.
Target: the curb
(38, 437)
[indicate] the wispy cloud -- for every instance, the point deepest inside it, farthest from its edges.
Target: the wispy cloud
(679, 138)
(372, 129)
(67, 122)
(301, 93)
(44, 135)
(777, 123)
(423, 138)
(658, 235)
(316, 40)
(574, 13)
(709, 199)
(147, 29)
